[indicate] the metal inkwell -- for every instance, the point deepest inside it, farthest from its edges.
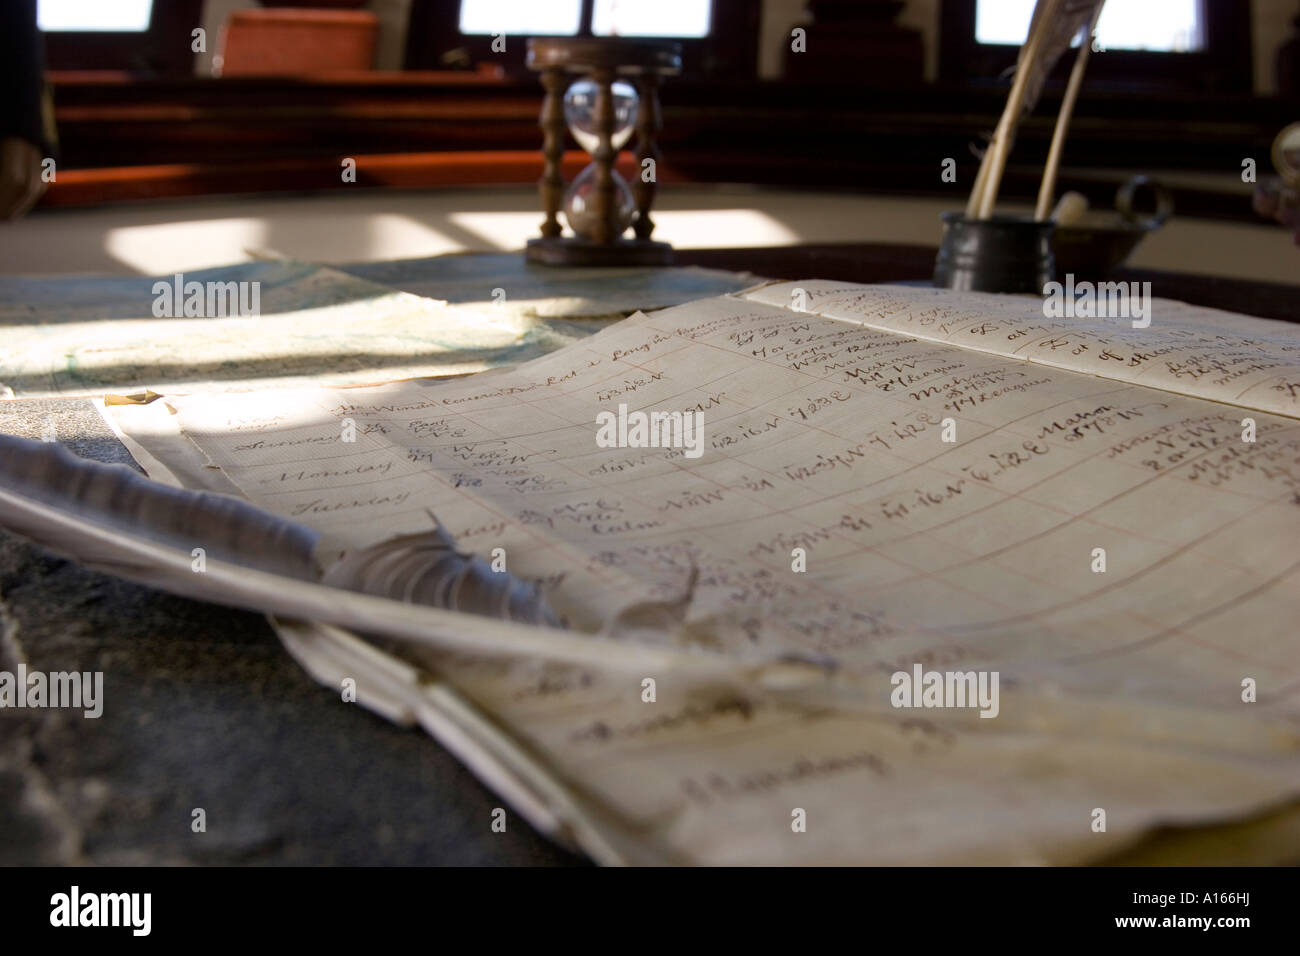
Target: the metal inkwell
(1020, 255)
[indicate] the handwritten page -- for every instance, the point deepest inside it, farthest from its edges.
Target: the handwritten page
(1117, 554)
(1205, 353)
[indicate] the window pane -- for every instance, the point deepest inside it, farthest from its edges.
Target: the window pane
(1157, 25)
(94, 15)
(651, 18)
(515, 17)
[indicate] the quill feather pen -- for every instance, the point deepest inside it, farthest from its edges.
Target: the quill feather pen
(112, 519)
(1048, 186)
(1052, 29)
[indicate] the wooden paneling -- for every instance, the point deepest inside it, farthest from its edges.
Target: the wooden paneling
(87, 187)
(256, 135)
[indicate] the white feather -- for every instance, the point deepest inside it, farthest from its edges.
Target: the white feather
(1052, 29)
(112, 519)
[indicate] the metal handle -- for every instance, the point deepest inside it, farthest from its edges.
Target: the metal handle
(1164, 202)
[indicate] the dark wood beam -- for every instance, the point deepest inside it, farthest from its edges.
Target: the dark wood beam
(886, 142)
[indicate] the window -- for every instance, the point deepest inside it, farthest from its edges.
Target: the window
(136, 36)
(628, 18)
(1175, 46)
(651, 18)
(94, 16)
(718, 37)
(521, 17)
(1168, 26)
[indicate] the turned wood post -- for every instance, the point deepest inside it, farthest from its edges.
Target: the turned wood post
(551, 185)
(649, 121)
(603, 197)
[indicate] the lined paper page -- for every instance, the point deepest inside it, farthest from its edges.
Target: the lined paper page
(1120, 689)
(1204, 353)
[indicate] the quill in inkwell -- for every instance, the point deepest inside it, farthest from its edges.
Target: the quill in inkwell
(988, 253)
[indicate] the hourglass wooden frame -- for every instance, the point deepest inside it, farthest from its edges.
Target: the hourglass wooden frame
(603, 61)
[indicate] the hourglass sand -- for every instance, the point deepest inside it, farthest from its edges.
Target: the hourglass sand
(618, 95)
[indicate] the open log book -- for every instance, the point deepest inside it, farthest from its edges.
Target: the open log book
(1036, 581)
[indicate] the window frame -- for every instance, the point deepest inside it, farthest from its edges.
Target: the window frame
(161, 50)
(730, 49)
(1225, 66)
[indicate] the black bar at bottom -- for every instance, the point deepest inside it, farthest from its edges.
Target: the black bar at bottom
(216, 906)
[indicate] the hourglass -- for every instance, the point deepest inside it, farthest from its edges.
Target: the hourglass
(616, 95)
